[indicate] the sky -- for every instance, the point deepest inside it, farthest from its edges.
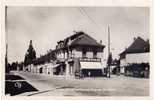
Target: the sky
(47, 25)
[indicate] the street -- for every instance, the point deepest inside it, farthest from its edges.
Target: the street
(101, 86)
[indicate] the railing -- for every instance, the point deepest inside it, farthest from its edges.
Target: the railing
(90, 59)
(71, 56)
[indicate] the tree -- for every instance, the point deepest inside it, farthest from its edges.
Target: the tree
(14, 65)
(52, 55)
(30, 55)
(20, 65)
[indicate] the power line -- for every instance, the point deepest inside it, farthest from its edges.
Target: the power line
(83, 12)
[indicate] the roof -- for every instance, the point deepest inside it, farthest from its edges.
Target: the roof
(85, 39)
(138, 46)
(80, 38)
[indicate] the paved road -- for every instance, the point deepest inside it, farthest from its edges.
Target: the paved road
(61, 86)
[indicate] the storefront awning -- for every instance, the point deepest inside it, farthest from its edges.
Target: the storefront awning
(91, 65)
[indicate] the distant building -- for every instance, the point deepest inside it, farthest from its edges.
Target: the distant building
(79, 53)
(135, 55)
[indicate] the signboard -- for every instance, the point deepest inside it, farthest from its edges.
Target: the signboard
(91, 65)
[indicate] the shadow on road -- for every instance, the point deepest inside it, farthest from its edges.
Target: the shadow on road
(15, 84)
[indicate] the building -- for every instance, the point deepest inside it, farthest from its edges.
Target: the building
(137, 54)
(79, 54)
(76, 55)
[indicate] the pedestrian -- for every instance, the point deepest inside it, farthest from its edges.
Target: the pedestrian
(89, 74)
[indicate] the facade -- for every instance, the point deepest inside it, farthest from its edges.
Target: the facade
(135, 55)
(79, 54)
(76, 55)
(46, 68)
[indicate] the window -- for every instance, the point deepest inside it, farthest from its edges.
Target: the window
(94, 54)
(84, 54)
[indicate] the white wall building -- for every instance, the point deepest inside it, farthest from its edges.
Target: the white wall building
(82, 47)
(138, 52)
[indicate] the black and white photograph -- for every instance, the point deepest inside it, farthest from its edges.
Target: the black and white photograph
(77, 51)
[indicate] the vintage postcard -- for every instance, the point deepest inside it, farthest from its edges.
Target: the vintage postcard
(77, 51)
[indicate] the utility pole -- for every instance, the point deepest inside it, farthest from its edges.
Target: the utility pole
(6, 60)
(6, 53)
(109, 50)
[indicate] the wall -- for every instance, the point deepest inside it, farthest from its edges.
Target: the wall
(88, 54)
(76, 53)
(47, 68)
(100, 55)
(134, 58)
(137, 58)
(123, 62)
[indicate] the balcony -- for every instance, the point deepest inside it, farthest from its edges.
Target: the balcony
(86, 59)
(90, 59)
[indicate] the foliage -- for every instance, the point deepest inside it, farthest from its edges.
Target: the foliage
(30, 55)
